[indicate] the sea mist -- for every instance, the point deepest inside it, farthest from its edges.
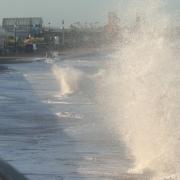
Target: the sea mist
(140, 92)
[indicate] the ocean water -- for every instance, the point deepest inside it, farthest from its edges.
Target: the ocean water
(64, 119)
(51, 128)
(103, 116)
(89, 118)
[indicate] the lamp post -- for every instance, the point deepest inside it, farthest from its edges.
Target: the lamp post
(63, 32)
(49, 23)
(15, 43)
(49, 33)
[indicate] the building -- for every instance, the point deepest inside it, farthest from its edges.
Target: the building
(113, 23)
(23, 26)
(2, 39)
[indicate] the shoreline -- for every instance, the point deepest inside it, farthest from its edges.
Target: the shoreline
(20, 58)
(63, 54)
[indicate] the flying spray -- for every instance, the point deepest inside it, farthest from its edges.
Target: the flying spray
(71, 80)
(140, 91)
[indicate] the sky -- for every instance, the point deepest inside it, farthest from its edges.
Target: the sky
(71, 11)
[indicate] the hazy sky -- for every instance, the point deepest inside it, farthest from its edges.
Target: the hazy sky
(70, 10)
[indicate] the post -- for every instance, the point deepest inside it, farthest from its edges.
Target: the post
(15, 43)
(63, 32)
(49, 23)
(49, 36)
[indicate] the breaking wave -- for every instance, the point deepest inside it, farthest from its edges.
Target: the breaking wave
(140, 91)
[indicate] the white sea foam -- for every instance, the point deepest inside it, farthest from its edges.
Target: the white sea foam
(69, 115)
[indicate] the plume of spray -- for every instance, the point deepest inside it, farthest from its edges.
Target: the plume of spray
(72, 80)
(67, 78)
(140, 93)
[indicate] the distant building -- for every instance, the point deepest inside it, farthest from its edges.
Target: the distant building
(113, 23)
(140, 20)
(23, 26)
(2, 38)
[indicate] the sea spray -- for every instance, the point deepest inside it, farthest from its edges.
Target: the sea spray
(67, 78)
(72, 80)
(139, 93)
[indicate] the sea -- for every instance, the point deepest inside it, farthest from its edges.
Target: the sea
(53, 132)
(104, 115)
(71, 119)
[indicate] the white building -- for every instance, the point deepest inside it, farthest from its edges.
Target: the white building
(23, 26)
